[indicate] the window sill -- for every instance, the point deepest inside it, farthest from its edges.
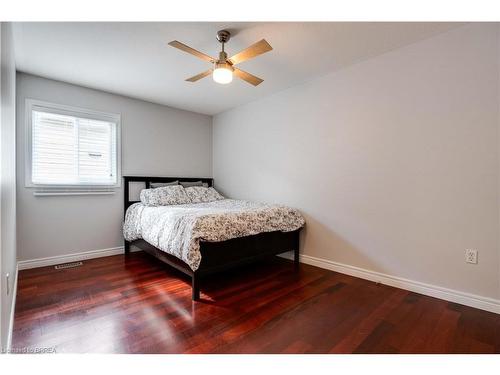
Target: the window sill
(52, 193)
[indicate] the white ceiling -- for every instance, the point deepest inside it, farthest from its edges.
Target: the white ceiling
(133, 59)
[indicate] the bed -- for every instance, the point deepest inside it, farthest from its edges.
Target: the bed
(201, 239)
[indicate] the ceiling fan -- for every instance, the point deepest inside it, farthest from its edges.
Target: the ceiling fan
(223, 68)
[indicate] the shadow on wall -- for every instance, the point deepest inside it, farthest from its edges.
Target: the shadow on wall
(319, 241)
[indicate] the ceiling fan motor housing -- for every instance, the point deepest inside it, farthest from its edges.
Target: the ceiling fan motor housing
(222, 64)
(223, 58)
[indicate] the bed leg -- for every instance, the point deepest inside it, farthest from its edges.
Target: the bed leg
(195, 285)
(296, 255)
(126, 246)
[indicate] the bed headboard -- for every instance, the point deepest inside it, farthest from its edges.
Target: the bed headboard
(149, 179)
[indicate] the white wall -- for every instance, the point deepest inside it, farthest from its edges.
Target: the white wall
(393, 161)
(156, 141)
(7, 177)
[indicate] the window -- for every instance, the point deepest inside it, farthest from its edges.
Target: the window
(71, 147)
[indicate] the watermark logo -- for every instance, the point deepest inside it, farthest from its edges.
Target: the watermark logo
(29, 350)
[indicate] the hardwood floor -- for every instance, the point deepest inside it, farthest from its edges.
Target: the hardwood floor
(136, 304)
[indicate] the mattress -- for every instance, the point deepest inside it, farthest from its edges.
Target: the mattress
(178, 229)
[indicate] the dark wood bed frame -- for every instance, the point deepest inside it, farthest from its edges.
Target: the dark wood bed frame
(216, 256)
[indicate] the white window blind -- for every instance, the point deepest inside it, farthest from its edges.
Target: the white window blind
(69, 150)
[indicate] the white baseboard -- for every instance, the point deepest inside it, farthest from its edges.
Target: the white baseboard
(468, 299)
(50, 261)
(12, 311)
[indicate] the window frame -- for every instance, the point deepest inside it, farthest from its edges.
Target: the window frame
(33, 104)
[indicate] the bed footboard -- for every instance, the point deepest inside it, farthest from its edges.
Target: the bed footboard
(224, 255)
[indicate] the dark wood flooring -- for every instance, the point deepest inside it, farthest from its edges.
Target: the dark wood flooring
(136, 304)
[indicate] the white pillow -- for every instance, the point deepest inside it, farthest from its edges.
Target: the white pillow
(163, 196)
(201, 194)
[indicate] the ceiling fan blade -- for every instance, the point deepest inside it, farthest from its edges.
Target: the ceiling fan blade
(199, 76)
(253, 80)
(255, 49)
(192, 51)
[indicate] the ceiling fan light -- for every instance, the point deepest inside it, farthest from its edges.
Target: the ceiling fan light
(222, 75)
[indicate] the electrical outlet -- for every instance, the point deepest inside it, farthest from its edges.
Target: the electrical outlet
(471, 256)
